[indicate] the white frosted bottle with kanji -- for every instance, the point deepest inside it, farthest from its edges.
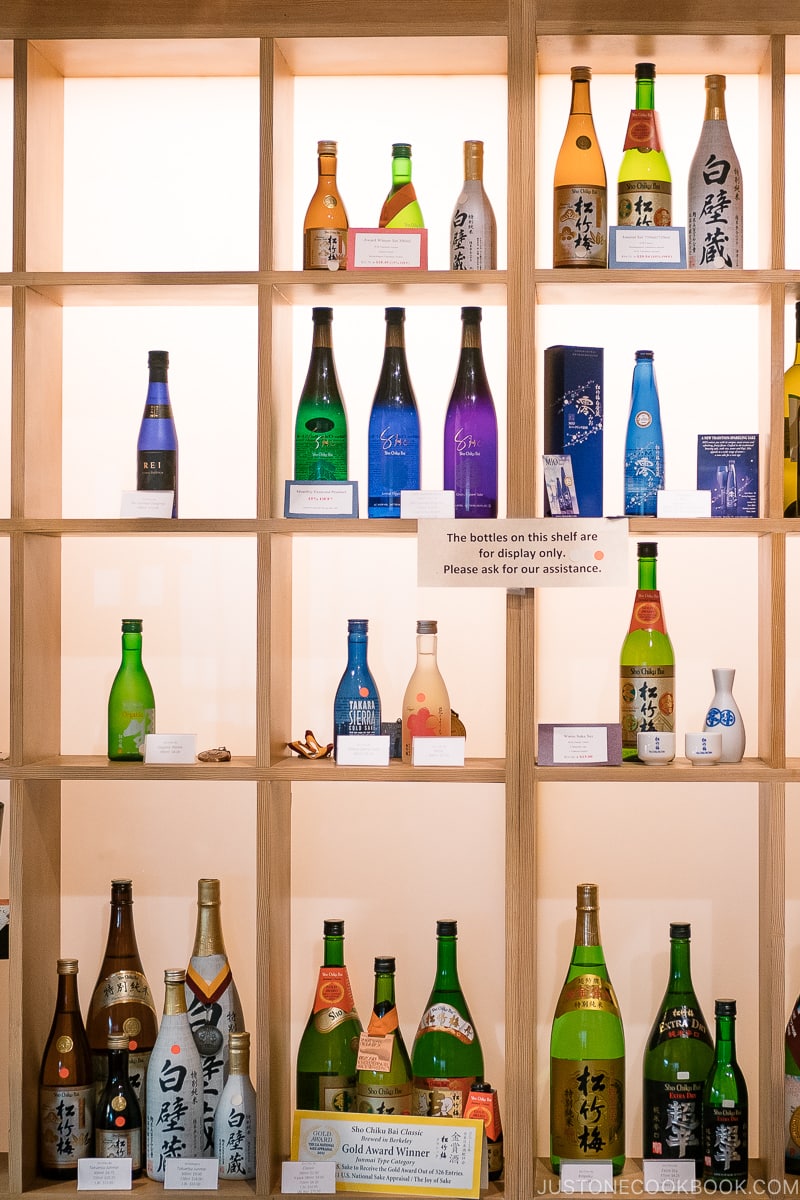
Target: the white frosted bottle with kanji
(174, 1085)
(714, 225)
(235, 1117)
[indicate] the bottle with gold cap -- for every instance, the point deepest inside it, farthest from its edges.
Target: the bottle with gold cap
(118, 1117)
(235, 1117)
(174, 1084)
(66, 1084)
(714, 226)
(473, 228)
(580, 202)
(212, 1002)
(325, 225)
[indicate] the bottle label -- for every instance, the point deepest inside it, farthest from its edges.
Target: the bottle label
(156, 470)
(793, 1035)
(587, 1108)
(123, 987)
(714, 224)
(440, 1097)
(337, 1093)
(471, 241)
(579, 236)
(387, 1099)
(157, 412)
(211, 1005)
(644, 202)
(483, 1106)
(643, 132)
(647, 701)
(725, 1139)
(354, 715)
(324, 249)
(137, 1068)
(120, 1143)
(66, 1118)
(443, 1018)
(135, 724)
(333, 1002)
(590, 993)
(791, 1101)
(644, 471)
(382, 1026)
(647, 613)
(394, 205)
(673, 1119)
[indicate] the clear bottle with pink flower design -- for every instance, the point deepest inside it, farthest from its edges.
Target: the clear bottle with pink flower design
(426, 704)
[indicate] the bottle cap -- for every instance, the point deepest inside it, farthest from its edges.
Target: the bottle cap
(158, 358)
(401, 150)
(645, 70)
(447, 928)
(121, 889)
(427, 626)
(326, 147)
(471, 314)
(175, 975)
(117, 1041)
(333, 928)
(385, 965)
(580, 74)
(647, 549)
(644, 354)
(322, 316)
(680, 930)
(587, 896)
(67, 966)
(357, 626)
(725, 1008)
(715, 81)
(482, 1087)
(208, 892)
(239, 1040)
(131, 625)
(395, 314)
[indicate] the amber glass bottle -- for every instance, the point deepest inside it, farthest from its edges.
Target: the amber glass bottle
(580, 210)
(325, 225)
(66, 1084)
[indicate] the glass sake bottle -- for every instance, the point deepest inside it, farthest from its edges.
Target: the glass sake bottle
(791, 434)
(212, 1002)
(393, 438)
(644, 441)
(387, 1092)
(325, 225)
(320, 436)
(357, 704)
(121, 1001)
(401, 208)
(426, 703)
(157, 447)
(235, 1116)
(483, 1104)
(677, 1059)
(131, 703)
(580, 202)
(725, 1120)
(326, 1056)
(470, 429)
(66, 1084)
(644, 187)
(446, 1058)
(587, 1053)
(714, 226)
(174, 1107)
(118, 1117)
(647, 662)
(473, 228)
(791, 1092)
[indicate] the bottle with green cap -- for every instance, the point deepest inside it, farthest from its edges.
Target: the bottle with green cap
(725, 1134)
(401, 208)
(131, 704)
(647, 662)
(326, 1057)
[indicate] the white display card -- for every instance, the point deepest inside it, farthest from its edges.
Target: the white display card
(683, 503)
(308, 498)
(191, 1175)
(146, 504)
(104, 1174)
(438, 751)
(581, 1176)
(669, 1175)
(363, 750)
(428, 504)
(170, 747)
(308, 1178)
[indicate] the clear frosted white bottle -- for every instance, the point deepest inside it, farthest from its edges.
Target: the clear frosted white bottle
(715, 226)
(724, 717)
(426, 703)
(235, 1118)
(174, 1085)
(473, 229)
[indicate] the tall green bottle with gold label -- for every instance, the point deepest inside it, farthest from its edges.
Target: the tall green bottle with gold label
(326, 1057)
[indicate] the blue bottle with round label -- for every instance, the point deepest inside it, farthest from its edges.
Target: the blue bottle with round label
(644, 441)
(357, 704)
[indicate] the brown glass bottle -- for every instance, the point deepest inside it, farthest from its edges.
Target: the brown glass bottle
(580, 213)
(66, 1084)
(121, 1001)
(325, 225)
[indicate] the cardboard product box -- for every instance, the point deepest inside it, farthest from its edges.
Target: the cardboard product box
(573, 418)
(727, 466)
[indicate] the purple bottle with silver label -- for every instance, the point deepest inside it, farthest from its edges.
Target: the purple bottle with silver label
(470, 429)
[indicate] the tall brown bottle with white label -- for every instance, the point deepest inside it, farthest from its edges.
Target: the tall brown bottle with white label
(580, 209)
(66, 1084)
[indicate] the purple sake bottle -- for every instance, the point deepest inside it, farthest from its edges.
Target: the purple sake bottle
(470, 429)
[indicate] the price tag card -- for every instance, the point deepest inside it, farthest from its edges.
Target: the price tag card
(308, 1178)
(669, 1175)
(641, 246)
(580, 745)
(170, 747)
(580, 1176)
(104, 1174)
(428, 504)
(363, 750)
(147, 504)
(430, 1156)
(438, 751)
(387, 249)
(683, 503)
(307, 498)
(191, 1175)
(375, 1053)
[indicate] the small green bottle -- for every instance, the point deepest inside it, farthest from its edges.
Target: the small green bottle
(725, 1105)
(401, 208)
(587, 1053)
(386, 1092)
(326, 1056)
(446, 1057)
(647, 662)
(320, 434)
(131, 705)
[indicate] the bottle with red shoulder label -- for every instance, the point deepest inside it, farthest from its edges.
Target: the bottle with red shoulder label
(644, 187)
(384, 1068)
(446, 1059)
(326, 1056)
(647, 662)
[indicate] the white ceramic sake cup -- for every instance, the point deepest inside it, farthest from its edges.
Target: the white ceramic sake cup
(655, 748)
(704, 749)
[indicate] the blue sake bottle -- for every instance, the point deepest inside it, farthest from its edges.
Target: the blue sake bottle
(157, 448)
(394, 434)
(644, 441)
(357, 705)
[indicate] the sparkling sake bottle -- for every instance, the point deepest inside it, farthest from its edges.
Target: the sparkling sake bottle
(473, 229)
(121, 1001)
(791, 1092)
(644, 187)
(426, 703)
(174, 1120)
(385, 1091)
(647, 662)
(320, 436)
(393, 437)
(131, 704)
(580, 208)
(400, 208)
(677, 1059)
(446, 1058)
(235, 1117)
(791, 407)
(66, 1084)
(357, 704)
(470, 429)
(157, 447)
(644, 441)
(725, 1106)
(714, 228)
(212, 1002)
(326, 1056)
(118, 1117)
(587, 1053)
(325, 225)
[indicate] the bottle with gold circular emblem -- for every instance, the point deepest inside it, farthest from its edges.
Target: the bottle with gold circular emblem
(325, 225)
(66, 1084)
(118, 1117)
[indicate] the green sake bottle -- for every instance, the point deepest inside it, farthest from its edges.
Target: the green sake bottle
(131, 704)
(326, 1056)
(320, 433)
(647, 662)
(725, 1134)
(446, 1058)
(387, 1092)
(587, 1053)
(677, 1059)
(401, 208)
